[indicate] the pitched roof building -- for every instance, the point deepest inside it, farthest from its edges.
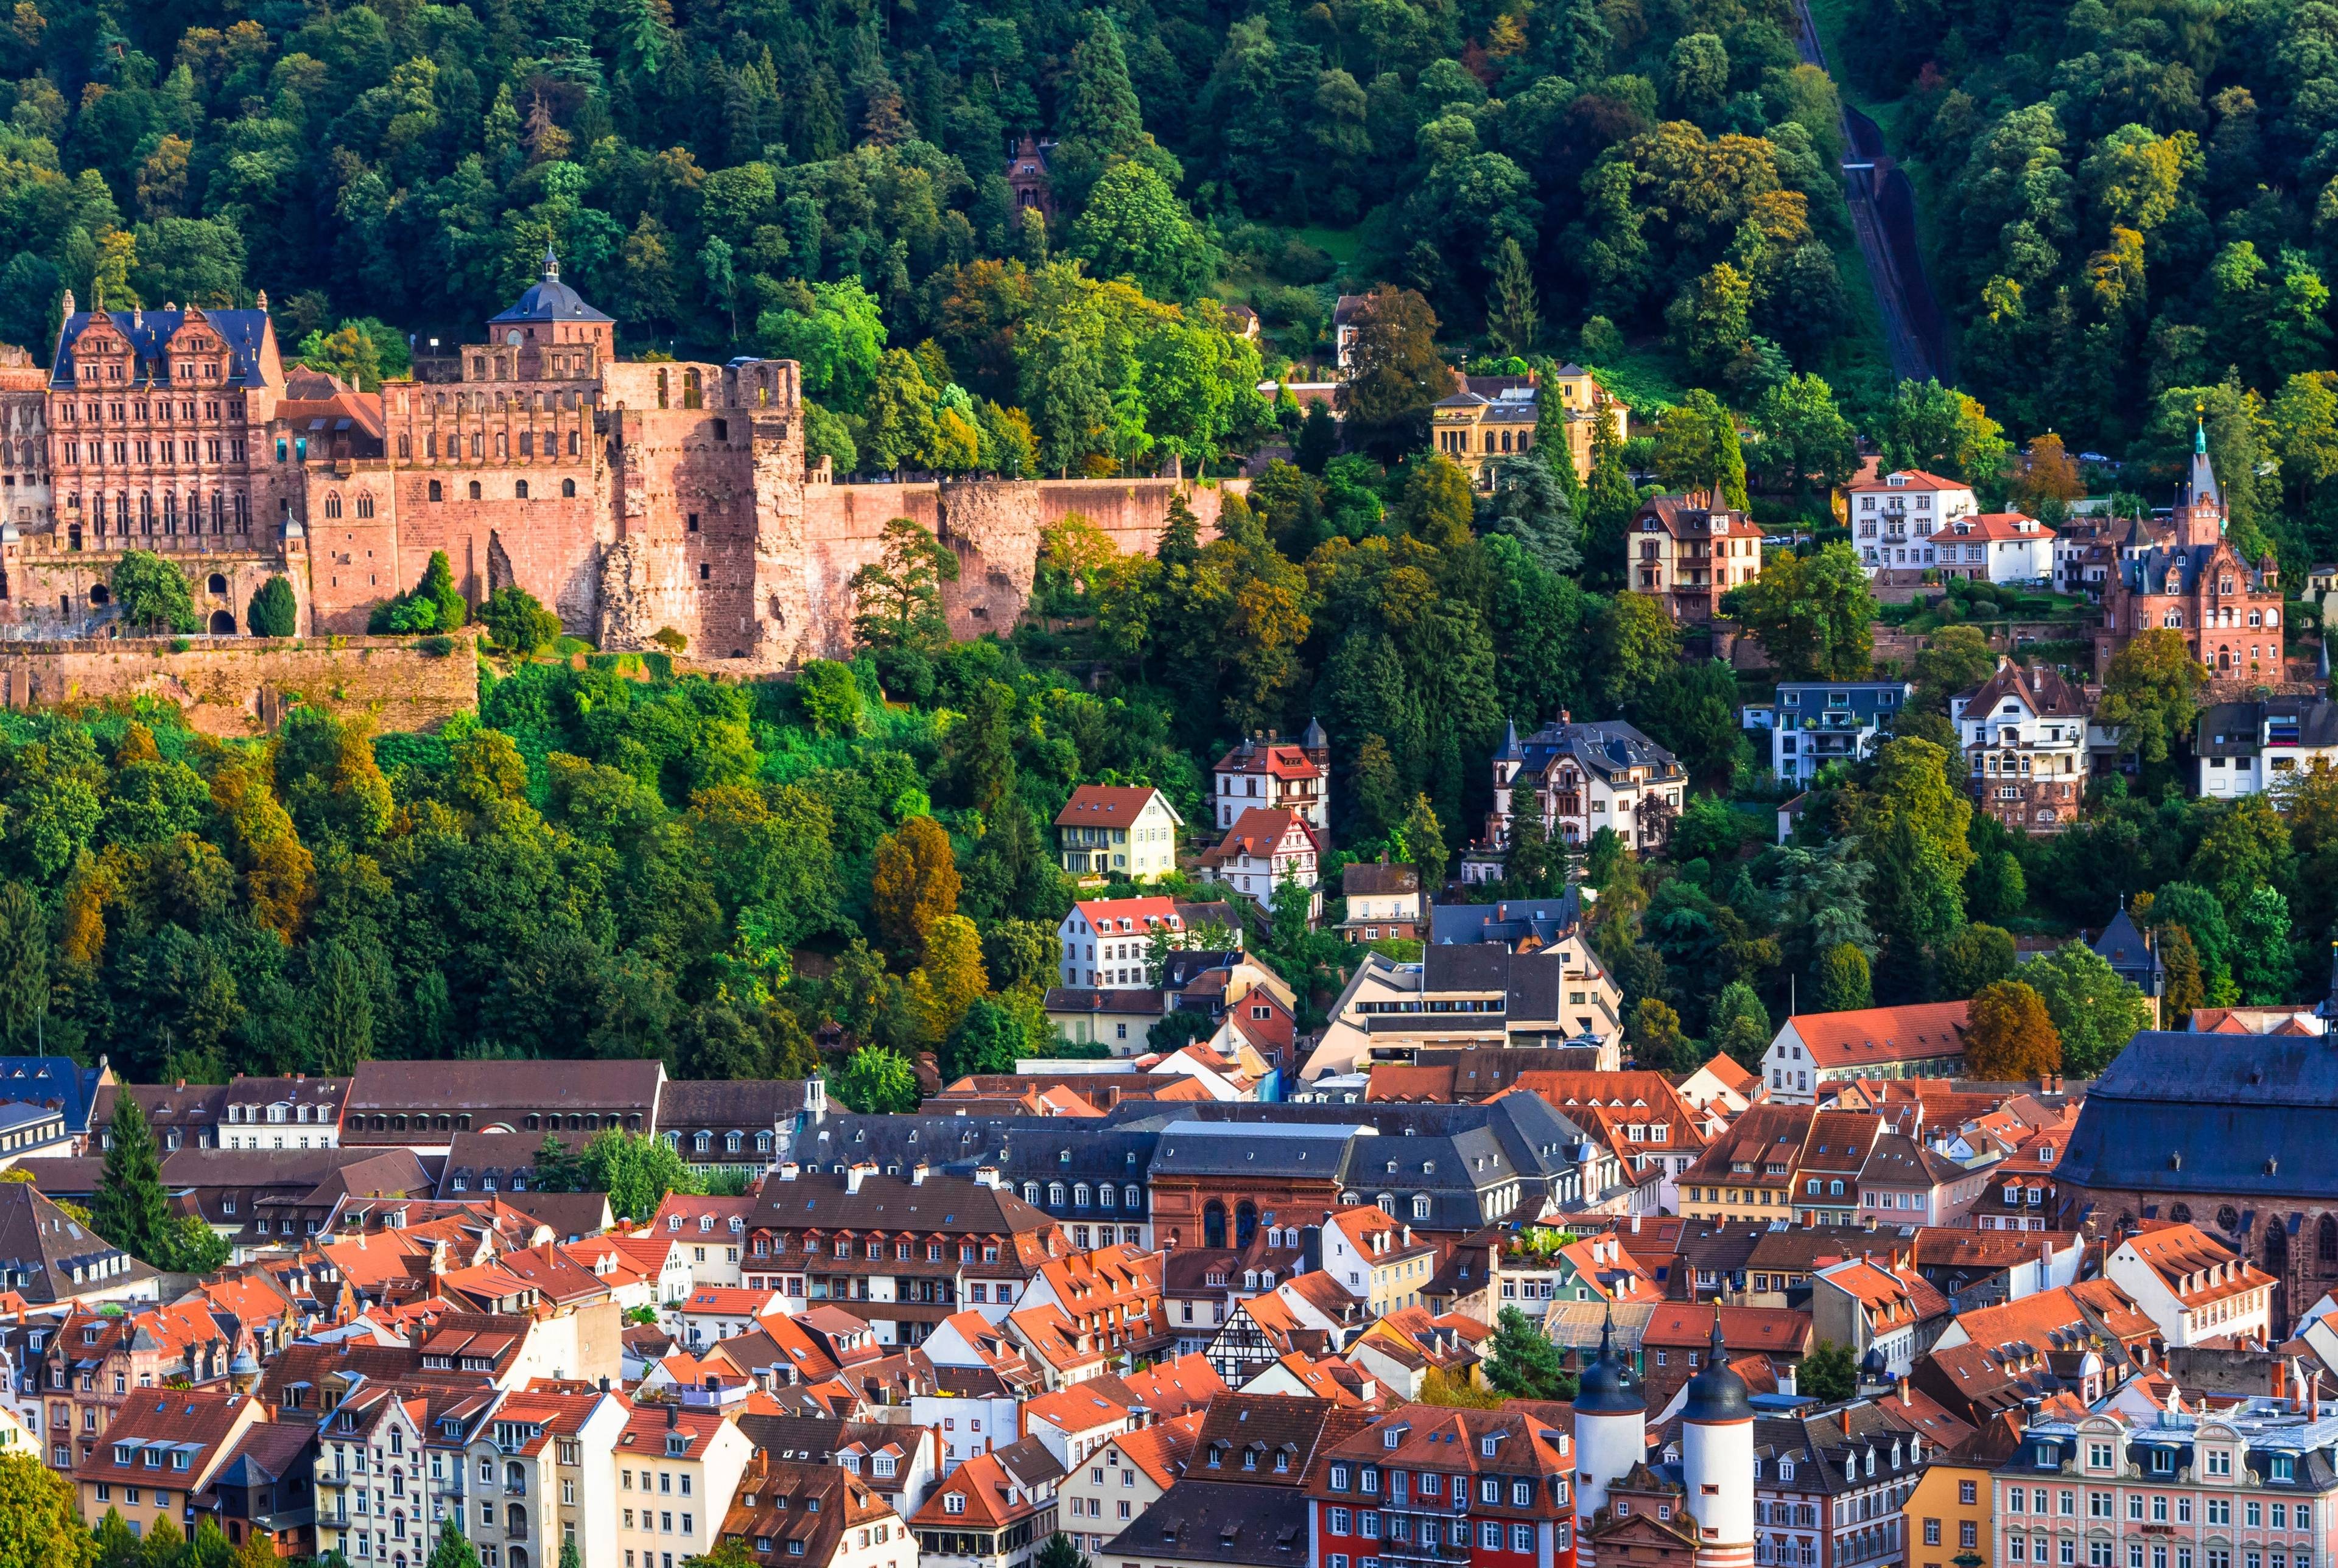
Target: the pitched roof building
(1815, 1050)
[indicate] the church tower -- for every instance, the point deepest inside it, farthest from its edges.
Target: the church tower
(1611, 1436)
(1717, 1460)
(2202, 511)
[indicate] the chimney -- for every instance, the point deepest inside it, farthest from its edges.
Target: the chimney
(1786, 1382)
(860, 1171)
(1844, 1415)
(1636, 1224)
(673, 1416)
(919, 1173)
(1903, 1388)
(788, 1169)
(605, 1385)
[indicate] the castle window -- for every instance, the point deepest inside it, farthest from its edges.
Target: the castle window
(572, 443)
(567, 488)
(520, 490)
(691, 525)
(406, 445)
(333, 504)
(474, 489)
(437, 491)
(503, 445)
(704, 571)
(723, 429)
(364, 505)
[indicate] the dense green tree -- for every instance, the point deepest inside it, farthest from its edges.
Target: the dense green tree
(1520, 1361)
(1813, 615)
(130, 1209)
(2095, 1011)
(1829, 1374)
(1395, 375)
(899, 596)
(152, 592)
(39, 1524)
(875, 1081)
(1841, 983)
(1976, 957)
(274, 611)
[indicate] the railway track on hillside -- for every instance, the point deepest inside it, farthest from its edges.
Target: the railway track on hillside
(1883, 205)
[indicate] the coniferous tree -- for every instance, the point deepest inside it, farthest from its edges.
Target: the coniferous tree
(1513, 321)
(130, 1209)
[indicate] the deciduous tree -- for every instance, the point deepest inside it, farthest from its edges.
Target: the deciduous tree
(2010, 1036)
(913, 884)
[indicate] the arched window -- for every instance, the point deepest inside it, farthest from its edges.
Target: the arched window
(215, 584)
(520, 490)
(365, 504)
(2181, 1214)
(1105, 1195)
(474, 489)
(1080, 1195)
(567, 489)
(437, 491)
(730, 1142)
(704, 1142)
(1031, 1192)
(1056, 1194)
(2325, 1242)
(332, 503)
(762, 1142)
(2228, 1220)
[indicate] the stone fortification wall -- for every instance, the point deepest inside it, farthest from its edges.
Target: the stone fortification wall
(243, 687)
(994, 526)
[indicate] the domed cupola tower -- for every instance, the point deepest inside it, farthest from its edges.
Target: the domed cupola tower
(1717, 1460)
(1611, 1434)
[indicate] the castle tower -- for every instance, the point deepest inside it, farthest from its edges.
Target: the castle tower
(1717, 1460)
(1611, 1436)
(2202, 512)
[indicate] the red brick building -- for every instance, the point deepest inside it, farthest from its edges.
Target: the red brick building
(2191, 580)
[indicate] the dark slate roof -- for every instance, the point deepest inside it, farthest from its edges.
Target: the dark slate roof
(41, 1245)
(2123, 947)
(729, 1102)
(549, 299)
(2238, 729)
(1202, 1149)
(1219, 1521)
(2248, 1116)
(150, 333)
(1509, 922)
(52, 1080)
(1604, 750)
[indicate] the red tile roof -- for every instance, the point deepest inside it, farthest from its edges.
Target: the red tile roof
(1882, 1034)
(1106, 806)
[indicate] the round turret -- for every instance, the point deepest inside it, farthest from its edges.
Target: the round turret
(1611, 1429)
(1717, 1458)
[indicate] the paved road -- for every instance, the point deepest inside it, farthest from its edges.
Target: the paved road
(1913, 358)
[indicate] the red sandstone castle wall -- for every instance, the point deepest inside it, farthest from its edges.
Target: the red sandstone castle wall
(242, 687)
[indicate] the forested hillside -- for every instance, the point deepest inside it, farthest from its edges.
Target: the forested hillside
(2134, 215)
(827, 181)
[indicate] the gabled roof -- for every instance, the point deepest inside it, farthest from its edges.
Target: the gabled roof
(1882, 1034)
(2040, 689)
(244, 333)
(1258, 833)
(1907, 479)
(1110, 806)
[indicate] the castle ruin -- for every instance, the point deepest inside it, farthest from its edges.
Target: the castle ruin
(628, 496)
